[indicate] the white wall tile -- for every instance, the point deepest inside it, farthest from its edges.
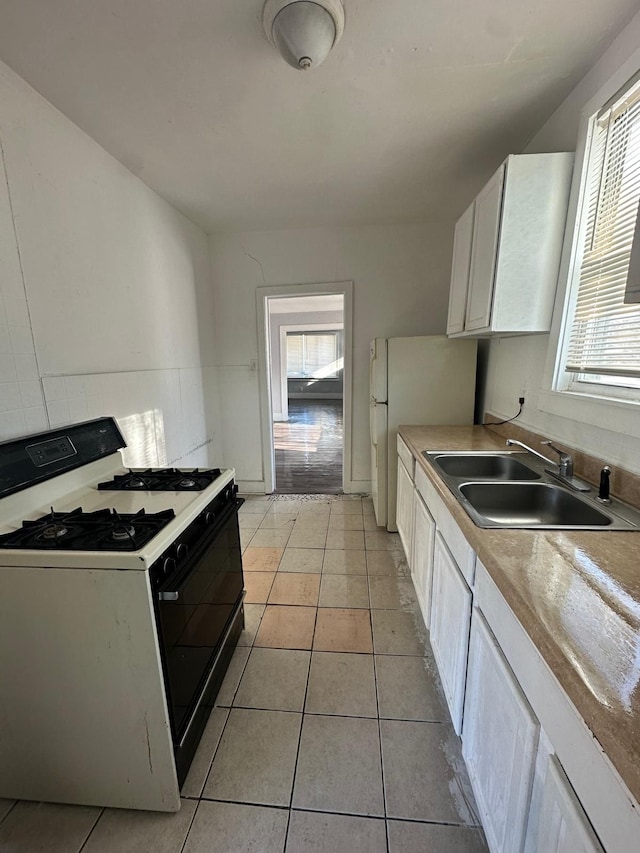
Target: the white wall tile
(26, 367)
(10, 396)
(78, 410)
(12, 425)
(53, 388)
(21, 340)
(7, 369)
(58, 411)
(74, 386)
(31, 393)
(5, 343)
(16, 311)
(36, 419)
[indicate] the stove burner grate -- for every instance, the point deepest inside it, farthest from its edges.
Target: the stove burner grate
(102, 530)
(162, 480)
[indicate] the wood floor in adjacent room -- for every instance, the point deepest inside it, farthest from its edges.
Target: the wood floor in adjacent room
(309, 448)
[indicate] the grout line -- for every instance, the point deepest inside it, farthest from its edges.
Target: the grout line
(91, 831)
(384, 790)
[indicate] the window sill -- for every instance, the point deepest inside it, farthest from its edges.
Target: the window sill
(620, 416)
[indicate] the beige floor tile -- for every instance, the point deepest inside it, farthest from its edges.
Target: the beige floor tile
(347, 507)
(391, 593)
(258, 586)
(270, 538)
(285, 627)
(130, 831)
(408, 689)
(312, 521)
(341, 562)
(256, 758)
(313, 832)
(342, 684)
(343, 631)
(301, 560)
(285, 504)
(307, 537)
(345, 539)
(338, 766)
(278, 521)
(46, 828)
(236, 829)
(370, 522)
(201, 764)
(309, 509)
(252, 616)
(397, 633)
(410, 837)
(382, 541)
(424, 775)
(233, 675)
(246, 535)
(249, 521)
(341, 521)
(275, 680)
(387, 563)
(295, 588)
(344, 591)
(261, 559)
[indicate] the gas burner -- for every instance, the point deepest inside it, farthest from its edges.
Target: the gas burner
(53, 531)
(122, 533)
(163, 480)
(102, 530)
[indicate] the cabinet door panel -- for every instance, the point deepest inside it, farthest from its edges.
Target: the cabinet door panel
(562, 824)
(424, 531)
(460, 267)
(499, 741)
(404, 509)
(484, 252)
(450, 618)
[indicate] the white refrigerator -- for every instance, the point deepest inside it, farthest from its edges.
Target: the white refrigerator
(426, 380)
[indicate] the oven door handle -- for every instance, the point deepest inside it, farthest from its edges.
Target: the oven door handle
(174, 594)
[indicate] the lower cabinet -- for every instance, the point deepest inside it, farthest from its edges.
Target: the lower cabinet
(499, 742)
(424, 532)
(560, 826)
(450, 617)
(404, 509)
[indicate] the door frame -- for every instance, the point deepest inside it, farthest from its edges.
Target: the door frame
(263, 294)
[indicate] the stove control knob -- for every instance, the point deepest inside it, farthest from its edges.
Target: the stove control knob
(182, 551)
(209, 518)
(168, 567)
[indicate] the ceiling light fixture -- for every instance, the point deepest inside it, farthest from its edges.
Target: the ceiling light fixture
(304, 31)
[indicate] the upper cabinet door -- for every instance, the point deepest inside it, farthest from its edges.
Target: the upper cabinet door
(460, 269)
(484, 250)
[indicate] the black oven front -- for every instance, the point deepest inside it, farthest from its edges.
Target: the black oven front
(198, 588)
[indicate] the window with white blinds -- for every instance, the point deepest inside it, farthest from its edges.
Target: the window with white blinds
(312, 355)
(604, 342)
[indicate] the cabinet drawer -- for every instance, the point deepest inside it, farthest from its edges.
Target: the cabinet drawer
(407, 457)
(462, 552)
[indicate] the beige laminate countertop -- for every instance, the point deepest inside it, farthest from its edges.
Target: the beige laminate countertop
(575, 593)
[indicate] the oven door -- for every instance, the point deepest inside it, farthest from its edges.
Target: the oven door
(198, 615)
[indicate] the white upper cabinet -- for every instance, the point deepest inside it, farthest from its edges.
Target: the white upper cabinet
(507, 249)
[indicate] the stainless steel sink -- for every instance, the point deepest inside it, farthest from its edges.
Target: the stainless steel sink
(513, 489)
(492, 466)
(531, 505)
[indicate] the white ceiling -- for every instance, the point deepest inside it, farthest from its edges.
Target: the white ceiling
(408, 116)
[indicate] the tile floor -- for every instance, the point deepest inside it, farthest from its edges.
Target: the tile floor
(330, 733)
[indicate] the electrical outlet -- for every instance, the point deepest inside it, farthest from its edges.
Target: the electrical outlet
(521, 400)
(253, 365)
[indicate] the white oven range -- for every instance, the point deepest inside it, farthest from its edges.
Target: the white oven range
(120, 606)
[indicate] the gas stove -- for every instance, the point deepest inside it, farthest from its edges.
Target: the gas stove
(122, 589)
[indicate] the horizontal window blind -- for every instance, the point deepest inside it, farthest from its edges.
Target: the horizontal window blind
(605, 333)
(312, 354)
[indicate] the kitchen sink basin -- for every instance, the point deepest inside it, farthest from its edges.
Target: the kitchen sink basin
(530, 505)
(484, 466)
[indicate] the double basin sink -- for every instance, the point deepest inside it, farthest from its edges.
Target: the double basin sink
(512, 489)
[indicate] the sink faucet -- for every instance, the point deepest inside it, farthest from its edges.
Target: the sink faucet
(564, 465)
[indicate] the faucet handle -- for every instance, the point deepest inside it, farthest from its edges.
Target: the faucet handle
(565, 464)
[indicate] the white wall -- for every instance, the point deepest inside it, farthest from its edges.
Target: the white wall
(515, 364)
(401, 282)
(106, 296)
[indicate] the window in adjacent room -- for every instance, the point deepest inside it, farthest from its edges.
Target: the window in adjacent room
(313, 355)
(601, 352)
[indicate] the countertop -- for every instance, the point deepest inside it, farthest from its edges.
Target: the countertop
(577, 596)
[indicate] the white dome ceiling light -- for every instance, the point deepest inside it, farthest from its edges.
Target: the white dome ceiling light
(304, 31)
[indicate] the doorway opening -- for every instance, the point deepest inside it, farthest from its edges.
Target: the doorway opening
(306, 346)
